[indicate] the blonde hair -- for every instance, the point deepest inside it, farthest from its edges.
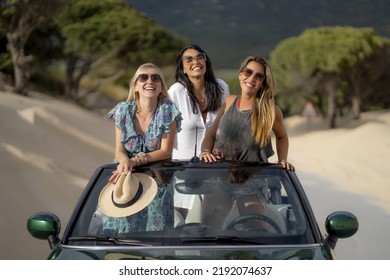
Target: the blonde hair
(134, 95)
(263, 107)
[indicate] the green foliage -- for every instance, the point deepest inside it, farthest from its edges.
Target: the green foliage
(90, 27)
(327, 49)
(337, 48)
(50, 82)
(234, 85)
(110, 27)
(19, 18)
(46, 44)
(6, 65)
(104, 39)
(26, 15)
(307, 66)
(146, 41)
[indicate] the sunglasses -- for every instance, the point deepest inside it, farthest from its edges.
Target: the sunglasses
(144, 77)
(249, 72)
(189, 59)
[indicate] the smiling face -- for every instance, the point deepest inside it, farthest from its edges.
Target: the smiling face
(252, 77)
(194, 63)
(149, 83)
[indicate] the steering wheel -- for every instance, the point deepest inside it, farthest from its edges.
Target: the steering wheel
(245, 218)
(193, 228)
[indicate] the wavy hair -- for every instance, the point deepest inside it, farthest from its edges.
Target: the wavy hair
(213, 89)
(133, 95)
(263, 107)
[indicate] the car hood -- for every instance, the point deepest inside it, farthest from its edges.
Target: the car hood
(194, 253)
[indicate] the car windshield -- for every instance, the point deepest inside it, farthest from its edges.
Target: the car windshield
(202, 204)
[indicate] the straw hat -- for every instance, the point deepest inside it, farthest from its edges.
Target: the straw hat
(129, 195)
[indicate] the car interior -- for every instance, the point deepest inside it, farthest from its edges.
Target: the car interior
(244, 202)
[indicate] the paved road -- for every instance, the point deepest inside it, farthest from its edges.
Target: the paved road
(372, 241)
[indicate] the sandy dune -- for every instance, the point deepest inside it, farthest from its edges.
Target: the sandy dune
(354, 156)
(49, 149)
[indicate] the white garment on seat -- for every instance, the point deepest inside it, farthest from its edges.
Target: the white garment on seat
(195, 213)
(182, 200)
(184, 146)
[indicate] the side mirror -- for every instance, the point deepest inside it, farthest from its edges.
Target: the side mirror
(340, 224)
(44, 225)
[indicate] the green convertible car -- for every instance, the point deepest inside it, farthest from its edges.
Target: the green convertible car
(192, 211)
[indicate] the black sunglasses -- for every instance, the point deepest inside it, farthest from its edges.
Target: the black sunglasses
(144, 77)
(199, 57)
(249, 72)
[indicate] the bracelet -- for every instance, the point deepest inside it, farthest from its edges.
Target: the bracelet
(141, 158)
(283, 160)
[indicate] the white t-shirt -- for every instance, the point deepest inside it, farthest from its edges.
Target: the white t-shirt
(184, 146)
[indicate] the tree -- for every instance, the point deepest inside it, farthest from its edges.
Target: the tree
(108, 35)
(19, 18)
(333, 61)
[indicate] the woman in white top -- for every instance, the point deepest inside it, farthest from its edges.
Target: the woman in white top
(199, 96)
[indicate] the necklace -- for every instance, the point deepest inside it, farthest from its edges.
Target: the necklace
(243, 107)
(201, 97)
(145, 117)
(202, 100)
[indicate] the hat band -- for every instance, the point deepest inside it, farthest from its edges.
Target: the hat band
(131, 202)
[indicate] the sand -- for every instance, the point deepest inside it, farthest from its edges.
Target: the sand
(353, 155)
(49, 149)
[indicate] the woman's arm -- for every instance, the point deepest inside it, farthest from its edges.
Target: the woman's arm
(126, 164)
(209, 140)
(165, 151)
(281, 137)
(207, 154)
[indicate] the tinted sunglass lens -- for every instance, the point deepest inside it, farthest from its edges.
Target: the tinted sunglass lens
(188, 59)
(143, 77)
(247, 72)
(260, 76)
(155, 78)
(201, 56)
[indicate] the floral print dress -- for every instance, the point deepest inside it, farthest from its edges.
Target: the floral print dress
(159, 213)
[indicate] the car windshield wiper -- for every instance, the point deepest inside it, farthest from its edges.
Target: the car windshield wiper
(233, 240)
(109, 239)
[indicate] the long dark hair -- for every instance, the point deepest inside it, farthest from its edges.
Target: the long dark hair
(213, 89)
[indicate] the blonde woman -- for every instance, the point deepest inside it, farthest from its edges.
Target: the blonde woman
(146, 123)
(243, 127)
(145, 128)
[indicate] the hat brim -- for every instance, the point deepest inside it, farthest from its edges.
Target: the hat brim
(149, 191)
